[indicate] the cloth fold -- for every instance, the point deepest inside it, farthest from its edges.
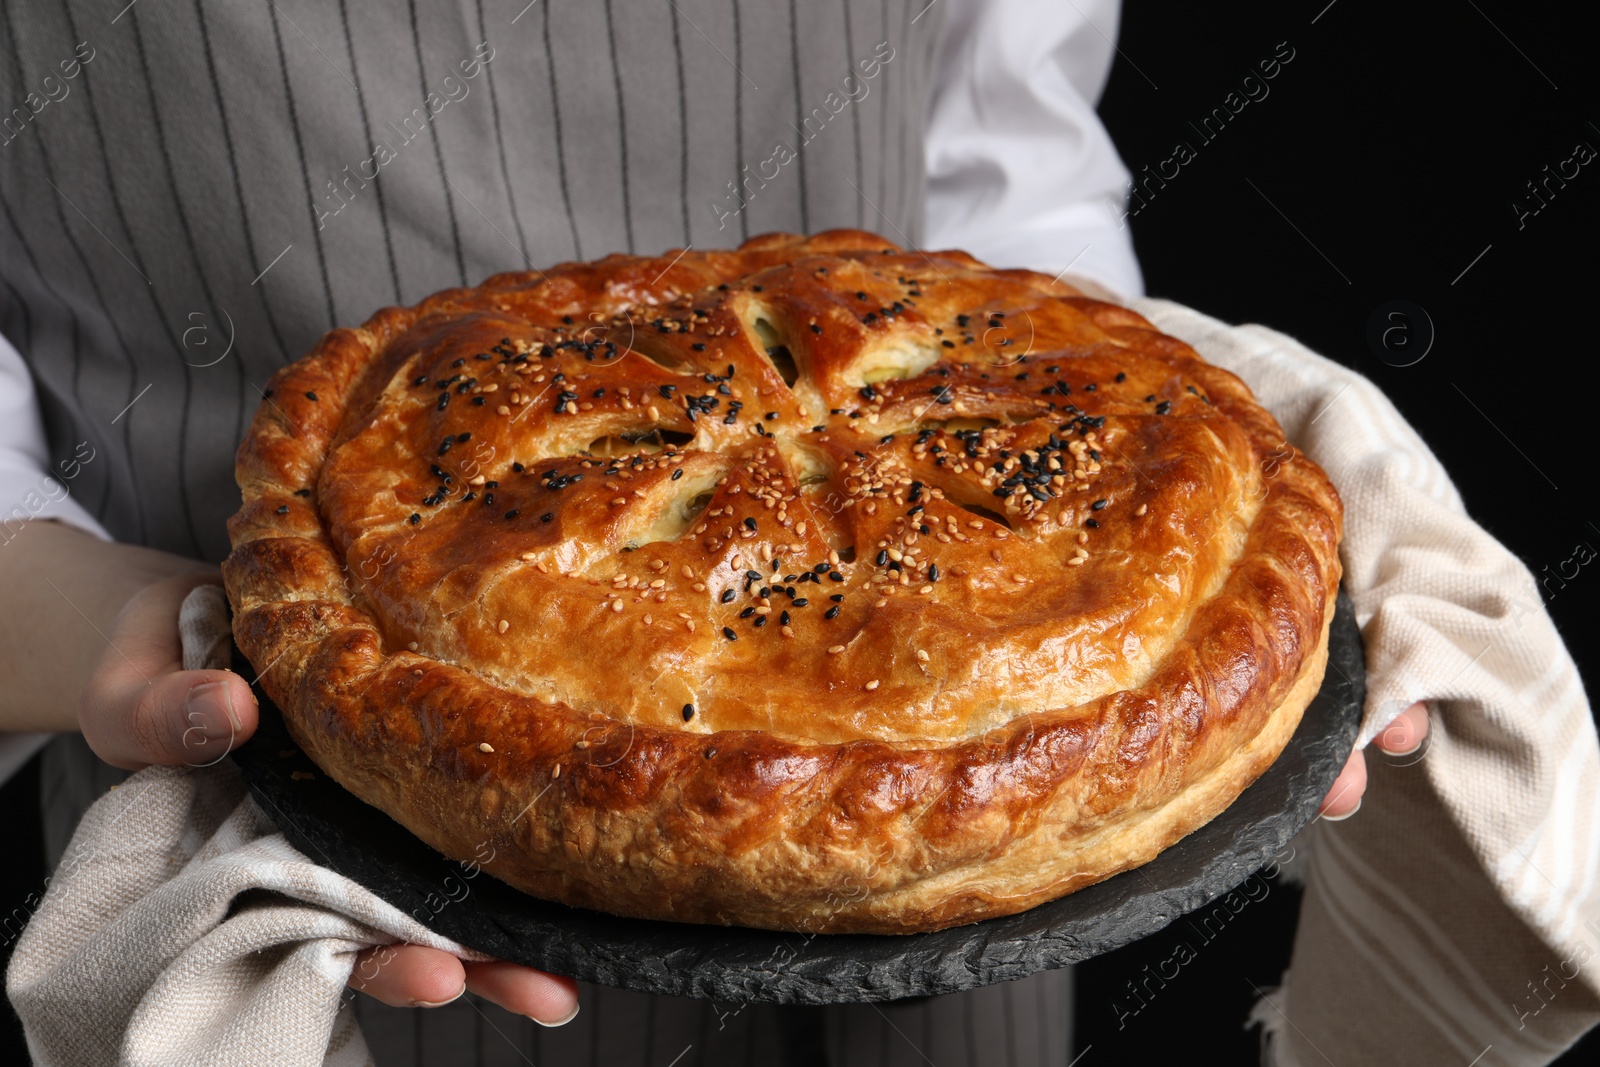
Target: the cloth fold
(1459, 909)
(1469, 875)
(181, 928)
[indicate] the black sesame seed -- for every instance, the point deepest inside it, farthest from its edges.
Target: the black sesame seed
(728, 595)
(688, 712)
(547, 516)
(677, 474)
(749, 523)
(710, 752)
(283, 509)
(302, 492)
(1098, 505)
(933, 572)
(761, 620)
(883, 557)
(747, 612)
(513, 513)
(815, 328)
(836, 576)
(1093, 524)
(783, 620)
(1121, 377)
(800, 603)
(479, 401)
(311, 396)
(727, 631)
(415, 518)
(837, 598)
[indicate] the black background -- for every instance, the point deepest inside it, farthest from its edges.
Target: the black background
(1383, 162)
(1391, 149)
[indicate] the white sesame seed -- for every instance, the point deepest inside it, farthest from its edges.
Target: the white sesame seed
(834, 650)
(922, 655)
(872, 684)
(484, 746)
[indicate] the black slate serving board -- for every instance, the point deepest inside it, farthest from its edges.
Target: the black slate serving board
(741, 965)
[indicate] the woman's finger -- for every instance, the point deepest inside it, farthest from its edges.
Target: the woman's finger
(1406, 733)
(185, 717)
(1344, 799)
(408, 976)
(544, 998)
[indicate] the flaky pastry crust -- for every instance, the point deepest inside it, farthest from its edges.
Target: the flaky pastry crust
(817, 585)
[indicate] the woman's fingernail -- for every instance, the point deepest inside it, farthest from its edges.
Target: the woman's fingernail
(1403, 751)
(1346, 815)
(440, 1003)
(560, 1022)
(208, 710)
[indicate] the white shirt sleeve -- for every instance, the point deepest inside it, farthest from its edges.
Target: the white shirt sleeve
(30, 485)
(1021, 173)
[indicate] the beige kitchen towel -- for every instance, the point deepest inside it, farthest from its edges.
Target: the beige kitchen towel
(1455, 916)
(1455, 919)
(181, 928)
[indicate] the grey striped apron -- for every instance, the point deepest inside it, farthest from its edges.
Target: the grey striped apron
(192, 191)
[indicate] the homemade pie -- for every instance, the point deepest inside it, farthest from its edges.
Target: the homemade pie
(818, 585)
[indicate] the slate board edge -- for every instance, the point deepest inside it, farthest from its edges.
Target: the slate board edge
(736, 966)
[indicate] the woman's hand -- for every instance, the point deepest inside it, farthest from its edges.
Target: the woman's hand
(91, 632)
(412, 976)
(1400, 738)
(141, 707)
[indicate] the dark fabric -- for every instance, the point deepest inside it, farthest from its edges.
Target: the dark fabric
(1017, 1024)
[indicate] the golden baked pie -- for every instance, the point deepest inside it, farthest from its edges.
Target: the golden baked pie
(817, 585)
